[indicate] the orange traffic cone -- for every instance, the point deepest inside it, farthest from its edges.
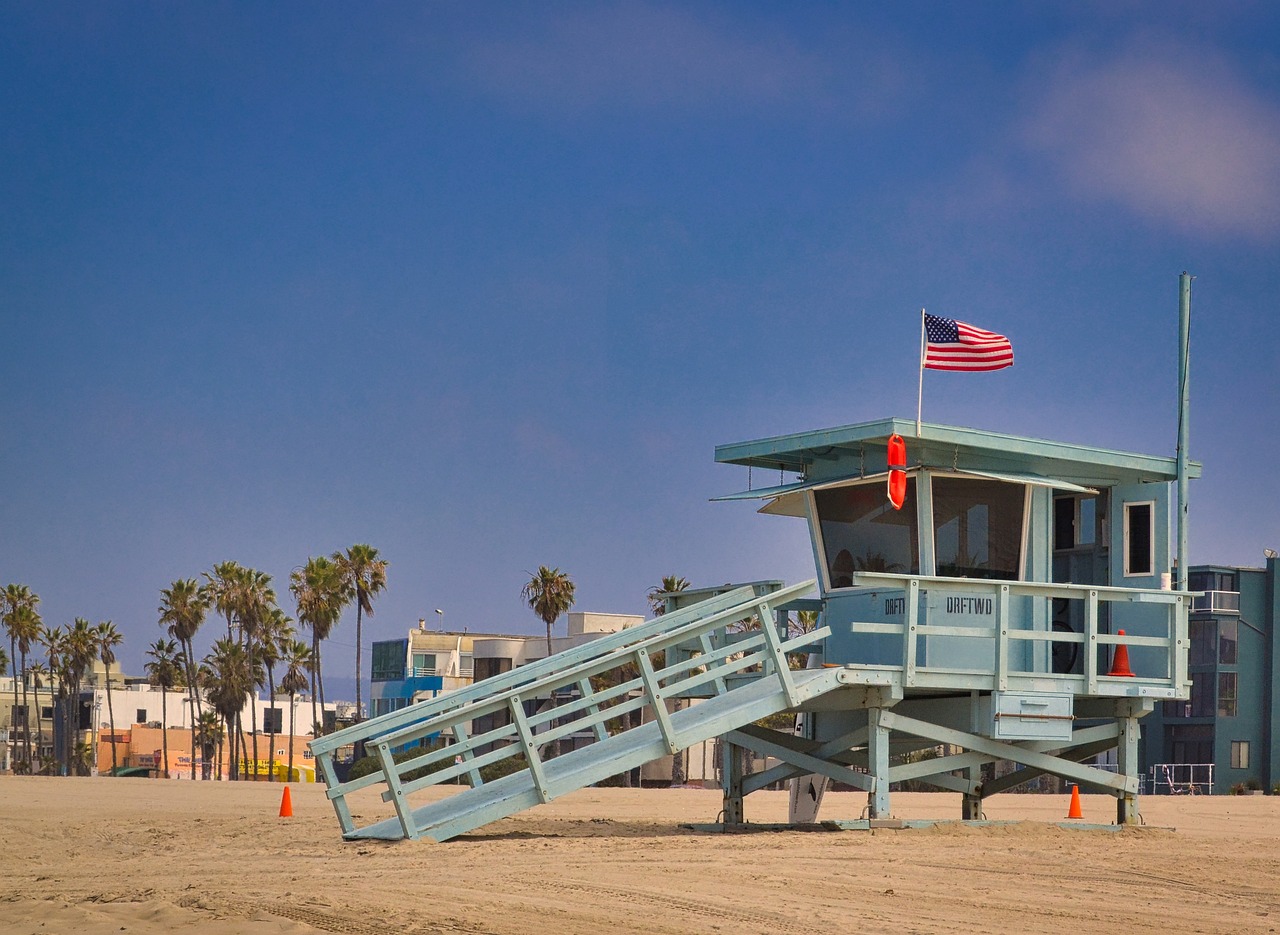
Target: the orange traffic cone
(286, 804)
(1120, 661)
(1074, 810)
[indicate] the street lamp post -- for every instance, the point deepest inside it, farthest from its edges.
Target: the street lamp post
(441, 615)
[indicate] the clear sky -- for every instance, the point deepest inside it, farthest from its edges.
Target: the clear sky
(483, 285)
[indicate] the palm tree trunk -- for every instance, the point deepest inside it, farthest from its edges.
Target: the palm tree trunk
(315, 656)
(39, 733)
(271, 753)
(164, 729)
(359, 718)
(193, 702)
(293, 713)
(111, 718)
(13, 662)
(26, 714)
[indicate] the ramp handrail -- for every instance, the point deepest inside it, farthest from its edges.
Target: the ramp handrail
(372, 728)
(915, 625)
(529, 709)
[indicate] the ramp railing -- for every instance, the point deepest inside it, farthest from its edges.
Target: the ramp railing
(594, 687)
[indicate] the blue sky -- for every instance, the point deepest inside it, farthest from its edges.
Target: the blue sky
(484, 285)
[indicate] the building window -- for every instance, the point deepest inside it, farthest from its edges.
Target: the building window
(1226, 694)
(1075, 522)
(424, 664)
(389, 658)
(1201, 696)
(1239, 754)
(1203, 636)
(861, 531)
(1227, 646)
(489, 667)
(141, 716)
(978, 528)
(46, 713)
(273, 720)
(1139, 539)
(1191, 743)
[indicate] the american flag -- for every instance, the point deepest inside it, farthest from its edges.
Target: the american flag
(954, 345)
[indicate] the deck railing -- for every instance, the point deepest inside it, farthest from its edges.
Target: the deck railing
(1006, 631)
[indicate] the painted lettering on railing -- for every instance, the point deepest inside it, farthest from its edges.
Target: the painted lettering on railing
(970, 605)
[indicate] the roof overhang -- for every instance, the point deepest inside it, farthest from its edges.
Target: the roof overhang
(942, 447)
(785, 498)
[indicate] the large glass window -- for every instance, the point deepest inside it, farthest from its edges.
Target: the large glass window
(388, 660)
(1203, 636)
(978, 527)
(1226, 694)
(861, 531)
(1192, 743)
(1202, 694)
(1227, 645)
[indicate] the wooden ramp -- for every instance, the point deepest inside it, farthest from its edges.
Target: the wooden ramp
(585, 766)
(600, 688)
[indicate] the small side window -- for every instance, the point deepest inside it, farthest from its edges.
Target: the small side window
(1139, 539)
(1239, 754)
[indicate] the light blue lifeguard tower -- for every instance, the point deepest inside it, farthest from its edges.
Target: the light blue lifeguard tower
(979, 622)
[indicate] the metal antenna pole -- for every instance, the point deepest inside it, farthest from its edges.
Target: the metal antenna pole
(1184, 413)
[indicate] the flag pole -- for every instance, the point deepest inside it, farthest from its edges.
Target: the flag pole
(920, 394)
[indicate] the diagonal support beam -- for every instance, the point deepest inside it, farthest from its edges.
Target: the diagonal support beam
(1006, 751)
(1027, 773)
(767, 742)
(836, 750)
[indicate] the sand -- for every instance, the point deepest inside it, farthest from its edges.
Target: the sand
(100, 856)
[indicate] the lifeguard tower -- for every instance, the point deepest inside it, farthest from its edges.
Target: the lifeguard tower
(984, 616)
(987, 618)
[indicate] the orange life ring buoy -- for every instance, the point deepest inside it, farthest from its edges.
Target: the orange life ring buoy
(897, 471)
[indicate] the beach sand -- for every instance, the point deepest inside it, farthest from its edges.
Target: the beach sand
(99, 856)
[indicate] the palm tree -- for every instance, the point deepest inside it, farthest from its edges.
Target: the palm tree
(108, 638)
(366, 575)
(256, 600)
(670, 584)
(182, 610)
(208, 731)
(36, 673)
(51, 637)
(321, 592)
(79, 649)
(164, 672)
(222, 589)
(226, 679)
(275, 630)
(549, 593)
(22, 623)
(297, 659)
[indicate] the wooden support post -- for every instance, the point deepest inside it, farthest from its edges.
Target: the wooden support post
(877, 764)
(1127, 756)
(971, 802)
(731, 782)
(460, 736)
(325, 762)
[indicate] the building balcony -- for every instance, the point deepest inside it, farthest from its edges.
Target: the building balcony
(1216, 602)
